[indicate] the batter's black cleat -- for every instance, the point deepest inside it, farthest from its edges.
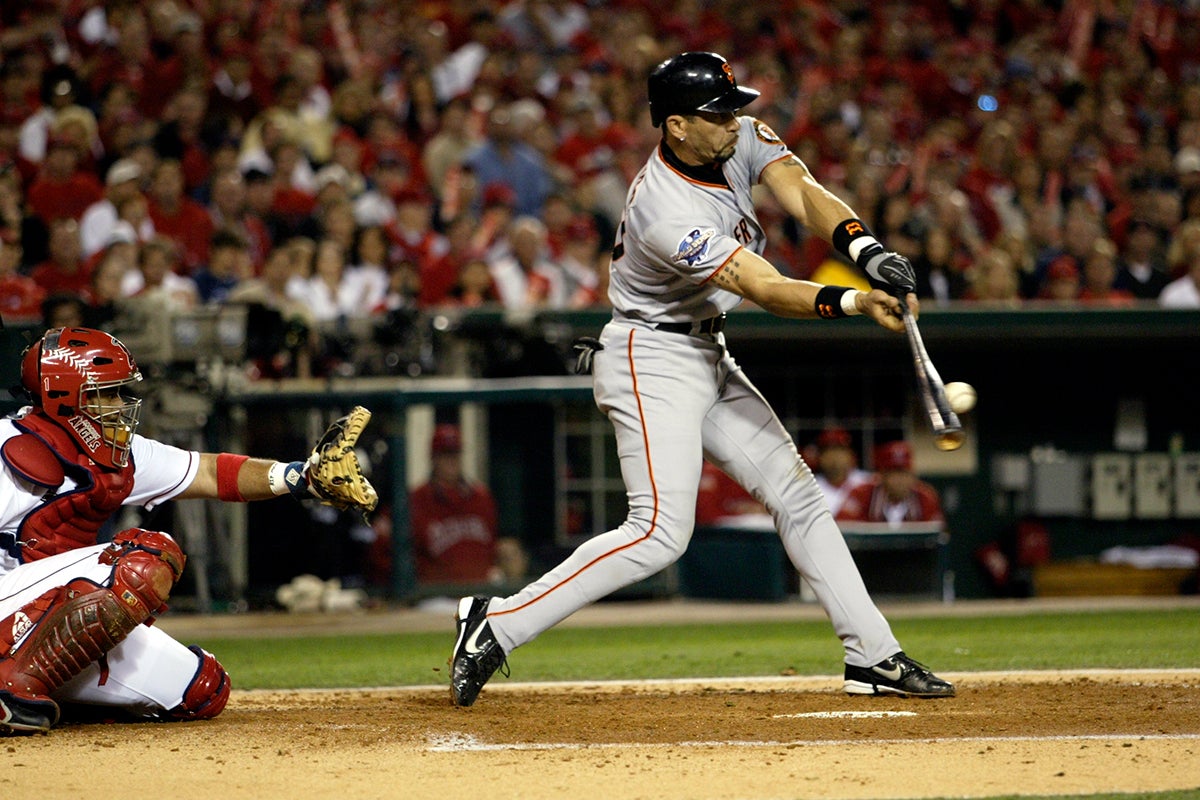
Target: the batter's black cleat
(898, 675)
(477, 654)
(22, 715)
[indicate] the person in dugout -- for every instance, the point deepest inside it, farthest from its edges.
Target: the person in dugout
(895, 495)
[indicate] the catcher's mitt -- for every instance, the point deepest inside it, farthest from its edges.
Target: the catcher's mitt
(334, 475)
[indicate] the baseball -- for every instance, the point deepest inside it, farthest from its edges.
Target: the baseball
(961, 397)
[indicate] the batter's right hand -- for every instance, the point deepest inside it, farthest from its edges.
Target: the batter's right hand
(886, 309)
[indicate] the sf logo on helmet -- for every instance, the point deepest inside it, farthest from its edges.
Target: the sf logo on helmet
(728, 70)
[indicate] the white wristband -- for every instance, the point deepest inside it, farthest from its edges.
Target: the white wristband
(849, 302)
(275, 478)
(860, 243)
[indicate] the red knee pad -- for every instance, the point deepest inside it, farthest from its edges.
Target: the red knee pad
(208, 692)
(146, 565)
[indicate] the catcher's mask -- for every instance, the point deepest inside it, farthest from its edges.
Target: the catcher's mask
(76, 376)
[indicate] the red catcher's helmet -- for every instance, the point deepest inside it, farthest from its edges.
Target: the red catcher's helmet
(75, 376)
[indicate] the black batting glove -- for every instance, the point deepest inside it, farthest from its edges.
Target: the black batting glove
(889, 271)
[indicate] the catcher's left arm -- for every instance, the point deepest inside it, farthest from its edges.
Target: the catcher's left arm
(331, 474)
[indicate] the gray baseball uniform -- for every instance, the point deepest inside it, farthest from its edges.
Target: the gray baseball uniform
(675, 398)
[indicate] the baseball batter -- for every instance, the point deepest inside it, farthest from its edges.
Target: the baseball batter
(686, 252)
(75, 615)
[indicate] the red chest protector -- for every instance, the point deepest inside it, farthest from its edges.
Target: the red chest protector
(45, 455)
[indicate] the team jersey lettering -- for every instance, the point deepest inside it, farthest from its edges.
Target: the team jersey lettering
(694, 246)
(742, 231)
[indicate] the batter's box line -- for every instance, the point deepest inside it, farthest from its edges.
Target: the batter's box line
(466, 742)
(834, 682)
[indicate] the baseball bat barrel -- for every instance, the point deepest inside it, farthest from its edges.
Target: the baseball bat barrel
(947, 430)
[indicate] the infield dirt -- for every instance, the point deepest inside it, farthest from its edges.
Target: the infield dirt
(787, 737)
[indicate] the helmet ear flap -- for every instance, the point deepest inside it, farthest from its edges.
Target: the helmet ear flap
(31, 367)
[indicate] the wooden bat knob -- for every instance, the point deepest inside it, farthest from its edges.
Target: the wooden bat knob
(950, 440)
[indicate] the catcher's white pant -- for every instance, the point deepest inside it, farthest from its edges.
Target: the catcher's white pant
(673, 400)
(148, 672)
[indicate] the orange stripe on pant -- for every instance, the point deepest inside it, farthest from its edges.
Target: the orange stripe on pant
(653, 489)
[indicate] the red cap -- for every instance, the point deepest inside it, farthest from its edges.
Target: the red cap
(499, 194)
(237, 48)
(581, 228)
(834, 437)
(893, 455)
(346, 135)
(1062, 267)
(411, 194)
(446, 439)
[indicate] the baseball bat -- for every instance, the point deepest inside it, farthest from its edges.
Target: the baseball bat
(947, 430)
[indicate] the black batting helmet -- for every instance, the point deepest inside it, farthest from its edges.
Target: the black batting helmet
(692, 82)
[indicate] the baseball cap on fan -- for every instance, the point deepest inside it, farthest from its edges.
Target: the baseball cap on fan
(123, 170)
(834, 437)
(695, 81)
(893, 455)
(446, 439)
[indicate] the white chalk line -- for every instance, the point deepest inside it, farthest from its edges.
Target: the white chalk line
(794, 682)
(845, 715)
(468, 743)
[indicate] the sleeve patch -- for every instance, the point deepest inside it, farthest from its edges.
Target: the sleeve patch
(763, 131)
(694, 246)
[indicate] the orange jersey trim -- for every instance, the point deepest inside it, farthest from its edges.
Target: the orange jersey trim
(693, 180)
(721, 266)
(769, 163)
(653, 517)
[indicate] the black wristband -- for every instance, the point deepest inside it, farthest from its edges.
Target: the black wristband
(829, 301)
(851, 238)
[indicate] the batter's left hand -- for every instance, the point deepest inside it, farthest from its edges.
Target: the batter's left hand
(886, 309)
(889, 271)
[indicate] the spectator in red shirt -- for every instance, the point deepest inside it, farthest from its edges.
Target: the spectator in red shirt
(590, 150)
(130, 60)
(179, 217)
(229, 210)
(61, 188)
(20, 296)
(440, 277)
(1099, 275)
(720, 496)
(474, 286)
(179, 137)
(895, 495)
(231, 93)
(1062, 281)
(454, 524)
(65, 270)
(412, 235)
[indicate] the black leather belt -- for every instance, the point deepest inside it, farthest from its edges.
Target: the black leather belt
(710, 326)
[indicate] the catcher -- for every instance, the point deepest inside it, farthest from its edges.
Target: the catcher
(75, 615)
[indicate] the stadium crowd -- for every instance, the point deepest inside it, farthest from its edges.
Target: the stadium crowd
(337, 159)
